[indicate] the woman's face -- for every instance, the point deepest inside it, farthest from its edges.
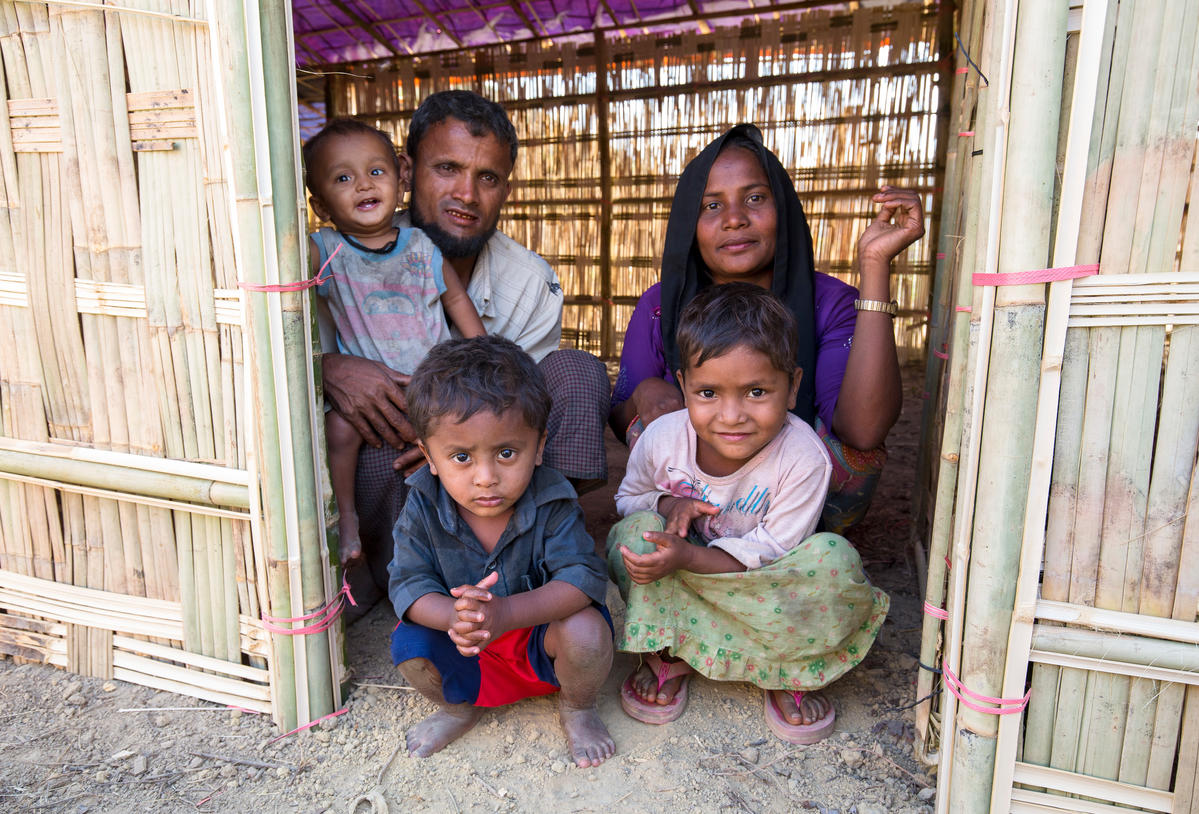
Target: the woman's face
(738, 222)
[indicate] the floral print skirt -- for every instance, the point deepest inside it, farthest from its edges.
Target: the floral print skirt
(799, 623)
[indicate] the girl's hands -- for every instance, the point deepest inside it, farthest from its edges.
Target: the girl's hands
(681, 511)
(898, 224)
(672, 553)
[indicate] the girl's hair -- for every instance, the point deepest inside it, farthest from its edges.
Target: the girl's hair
(460, 377)
(722, 317)
(344, 126)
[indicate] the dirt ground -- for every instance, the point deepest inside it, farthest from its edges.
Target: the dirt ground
(69, 744)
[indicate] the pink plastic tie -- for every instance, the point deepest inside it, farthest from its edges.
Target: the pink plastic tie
(1004, 706)
(966, 134)
(299, 285)
(940, 355)
(325, 615)
(940, 255)
(933, 610)
(963, 69)
(963, 309)
(310, 724)
(1038, 276)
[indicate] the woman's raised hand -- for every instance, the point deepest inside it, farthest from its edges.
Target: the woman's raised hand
(898, 224)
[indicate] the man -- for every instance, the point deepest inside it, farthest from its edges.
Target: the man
(460, 152)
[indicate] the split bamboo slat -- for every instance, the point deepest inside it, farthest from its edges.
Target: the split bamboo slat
(157, 444)
(1074, 580)
(847, 100)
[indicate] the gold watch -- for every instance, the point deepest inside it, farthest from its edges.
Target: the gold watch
(890, 308)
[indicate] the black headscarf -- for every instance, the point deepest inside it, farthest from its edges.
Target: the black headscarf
(684, 272)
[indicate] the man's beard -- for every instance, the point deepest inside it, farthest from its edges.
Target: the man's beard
(450, 246)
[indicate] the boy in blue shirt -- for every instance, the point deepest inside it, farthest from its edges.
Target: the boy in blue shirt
(495, 579)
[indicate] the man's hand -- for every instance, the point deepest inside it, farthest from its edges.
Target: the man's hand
(480, 616)
(681, 511)
(673, 553)
(654, 398)
(370, 396)
(408, 461)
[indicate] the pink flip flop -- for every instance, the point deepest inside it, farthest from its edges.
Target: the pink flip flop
(648, 713)
(797, 733)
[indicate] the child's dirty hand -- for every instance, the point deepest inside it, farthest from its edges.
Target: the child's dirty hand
(672, 553)
(681, 511)
(478, 613)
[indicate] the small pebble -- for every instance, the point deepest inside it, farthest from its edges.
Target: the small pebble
(228, 770)
(927, 794)
(593, 777)
(322, 736)
(572, 794)
(750, 754)
(160, 720)
(139, 765)
(196, 763)
(235, 715)
(510, 740)
(76, 700)
(102, 776)
(851, 757)
(108, 686)
(871, 809)
(282, 772)
(557, 767)
(124, 754)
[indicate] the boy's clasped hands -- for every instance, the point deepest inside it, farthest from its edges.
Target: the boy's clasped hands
(480, 616)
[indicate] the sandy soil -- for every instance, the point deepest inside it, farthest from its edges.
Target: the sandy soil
(67, 744)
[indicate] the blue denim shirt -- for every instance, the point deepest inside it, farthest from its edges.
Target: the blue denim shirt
(436, 550)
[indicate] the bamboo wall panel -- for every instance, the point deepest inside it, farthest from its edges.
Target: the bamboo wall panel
(848, 101)
(128, 480)
(1103, 620)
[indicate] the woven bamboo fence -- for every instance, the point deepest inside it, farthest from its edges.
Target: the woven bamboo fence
(1061, 541)
(848, 101)
(157, 488)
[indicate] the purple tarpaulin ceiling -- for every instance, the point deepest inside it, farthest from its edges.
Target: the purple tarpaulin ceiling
(329, 32)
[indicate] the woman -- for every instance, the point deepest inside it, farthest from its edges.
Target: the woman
(736, 216)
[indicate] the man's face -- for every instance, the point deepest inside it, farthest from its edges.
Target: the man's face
(458, 182)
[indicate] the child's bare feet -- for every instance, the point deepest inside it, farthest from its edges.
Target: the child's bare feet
(441, 728)
(590, 743)
(813, 707)
(645, 682)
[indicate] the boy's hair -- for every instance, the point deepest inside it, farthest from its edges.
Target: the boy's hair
(722, 317)
(460, 377)
(480, 115)
(344, 126)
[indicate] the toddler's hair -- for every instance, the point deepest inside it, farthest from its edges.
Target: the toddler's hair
(460, 377)
(344, 126)
(722, 317)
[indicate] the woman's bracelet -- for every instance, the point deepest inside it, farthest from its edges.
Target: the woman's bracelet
(890, 308)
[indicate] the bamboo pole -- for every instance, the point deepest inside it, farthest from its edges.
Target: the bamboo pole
(240, 110)
(1006, 446)
(278, 58)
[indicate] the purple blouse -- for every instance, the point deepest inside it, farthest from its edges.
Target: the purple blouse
(643, 355)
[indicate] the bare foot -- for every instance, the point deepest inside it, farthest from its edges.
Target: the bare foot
(645, 683)
(813, 707)
(441, 728)
(590, 743)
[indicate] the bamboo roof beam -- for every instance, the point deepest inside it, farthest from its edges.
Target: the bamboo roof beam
(366, 26)
(442, 27)
(524, 18)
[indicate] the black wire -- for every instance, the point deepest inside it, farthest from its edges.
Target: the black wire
(974, 64)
